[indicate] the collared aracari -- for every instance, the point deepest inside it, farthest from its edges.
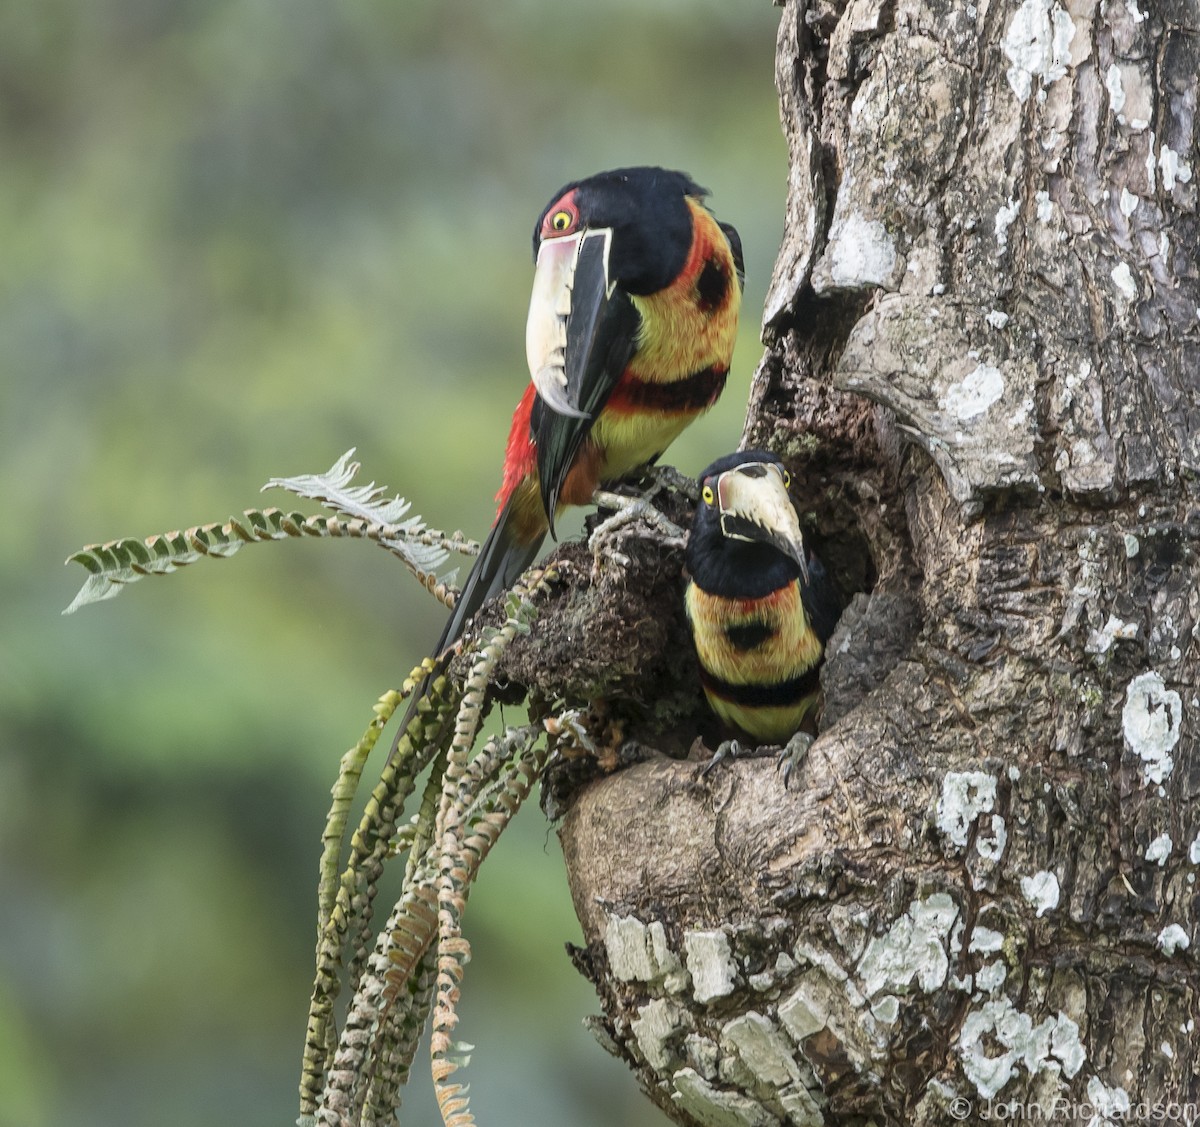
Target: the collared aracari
(631, 328)
(759, 602)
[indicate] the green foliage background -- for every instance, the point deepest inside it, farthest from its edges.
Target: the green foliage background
(240, 236)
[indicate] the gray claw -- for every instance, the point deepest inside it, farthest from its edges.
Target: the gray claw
(729, 749)
(792, 757)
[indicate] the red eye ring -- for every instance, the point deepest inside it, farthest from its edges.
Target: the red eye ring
(561, 219)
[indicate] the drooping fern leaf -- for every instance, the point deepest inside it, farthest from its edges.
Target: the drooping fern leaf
(118, 563)
(415, 962)
(422, 548)
(359, 515)
(345, 901)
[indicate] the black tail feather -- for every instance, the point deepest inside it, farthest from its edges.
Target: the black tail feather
(500, 562)
(497, 567)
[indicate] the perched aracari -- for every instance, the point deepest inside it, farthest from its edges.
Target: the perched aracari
(759, 603)
(631, 328)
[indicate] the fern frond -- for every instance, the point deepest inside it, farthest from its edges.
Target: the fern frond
(121, 562)
(414, 965)
(484, 816)
(361, 514)
(425, 548)
(463, 851)
(399, 1049)
(349, 774)
(403, 941)
(118, 563)
(350, 912)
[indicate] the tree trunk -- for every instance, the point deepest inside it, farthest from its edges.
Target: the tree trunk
(983, 359)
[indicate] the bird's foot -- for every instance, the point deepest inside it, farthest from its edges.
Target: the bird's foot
(656, 479)
(792, 756)
(627, 512)
(789, 759)
(727, 749)
(731, 749)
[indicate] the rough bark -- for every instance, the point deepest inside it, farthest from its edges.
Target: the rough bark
(983, 365)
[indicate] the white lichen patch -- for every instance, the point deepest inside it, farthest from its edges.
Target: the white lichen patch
(1128, 202)
(1194, 851)
(806, 1011)
(913, 948)
(974, 393)
(1038, 44)
(1132, 545)
(659, 1023)
(1173, 938)
(1108, 1103)
(999, 1025)
(639, 953)
(821, 1003)
(992, 839)
(1159, 849)
(1137, 97)
(1150, 722)
(1173, 169)
(985, 941)
(997, 319)
(1122, 278)
(886, 1009)
(1004, 220)
(710, 962)
(763, 1048)
(990, 977)
(1066, 1045)
(1045, 208)
(861, 253)
(717, 1107)
(1042, 891)
(965, 795)
(1115, 88)
(800, 1108)
(703, 1054)
(1100, 641)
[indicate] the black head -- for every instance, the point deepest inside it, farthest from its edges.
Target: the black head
(647, 212)
(740, 458)
(731, 557)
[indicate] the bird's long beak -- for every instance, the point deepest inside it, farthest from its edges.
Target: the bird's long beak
(754, 505)
(571, 290)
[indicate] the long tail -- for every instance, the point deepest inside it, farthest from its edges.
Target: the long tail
(497, 567)
(499, 564)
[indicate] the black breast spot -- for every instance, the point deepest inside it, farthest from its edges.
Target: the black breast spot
(711, 286)
(749, 635)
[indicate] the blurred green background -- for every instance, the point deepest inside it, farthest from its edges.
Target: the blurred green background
(239, 237)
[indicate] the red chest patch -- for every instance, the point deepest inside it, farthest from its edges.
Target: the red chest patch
(520, 457)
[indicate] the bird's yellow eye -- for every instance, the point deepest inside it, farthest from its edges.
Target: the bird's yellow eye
(561, 220)
(708, 495)
(787, 479)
